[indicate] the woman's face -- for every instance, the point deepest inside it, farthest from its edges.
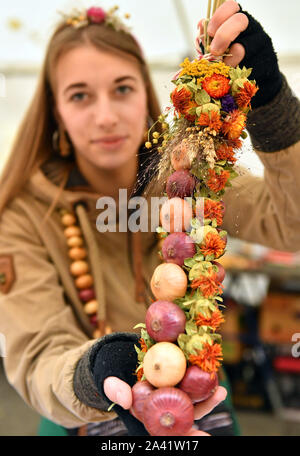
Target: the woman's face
(102, 102)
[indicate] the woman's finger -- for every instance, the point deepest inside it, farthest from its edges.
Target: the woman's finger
(118, 391)
(207, 406)
(228, 32)
(224, 12)
(237, 52)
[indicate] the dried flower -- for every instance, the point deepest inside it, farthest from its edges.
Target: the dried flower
(216, 85)
(202, 68)
(214, 321)
(140, 374)
(208, 359)
(208, 285)
(244, 96)
(96, 14)
(225, 152)
(181, 99)
(144, 347)
(213, 210)
(234, 124)
(217, 182)
(213, 245)
(211, 120)
(228, 103)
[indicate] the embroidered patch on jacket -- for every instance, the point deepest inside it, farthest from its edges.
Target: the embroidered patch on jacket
(7, 273)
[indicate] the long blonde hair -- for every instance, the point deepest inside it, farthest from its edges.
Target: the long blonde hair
(32, 145)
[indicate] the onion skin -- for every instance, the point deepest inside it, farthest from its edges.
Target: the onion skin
(164, 364)
(176, 215)
(181, 184)
(198, 384)
(140, 391)
(221, 271)
(177, 247)
(168, 282)
(168, 412)
(165, 321)
(180, 158)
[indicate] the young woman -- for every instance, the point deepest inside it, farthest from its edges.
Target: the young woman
(64, 285)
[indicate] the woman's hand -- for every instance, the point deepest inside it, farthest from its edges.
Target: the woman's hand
(224, 27)
(120, 392)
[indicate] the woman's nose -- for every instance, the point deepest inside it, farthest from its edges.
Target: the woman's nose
(106, 114)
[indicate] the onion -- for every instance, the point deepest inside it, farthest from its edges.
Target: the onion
(198, 384)
(165, 321)
(181, 183)
(221, 271)
(140, 391)
(177, 247)
(164, 364)
(176, 215)
(180, 158)
(168, 411)
(169, 282)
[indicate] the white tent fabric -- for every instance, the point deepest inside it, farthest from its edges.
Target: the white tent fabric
(165, 29)
(159, 25)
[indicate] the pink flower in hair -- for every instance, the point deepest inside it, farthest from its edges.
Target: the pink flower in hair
(96, 14)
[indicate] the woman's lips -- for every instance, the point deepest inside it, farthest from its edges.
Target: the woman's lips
(110, 143)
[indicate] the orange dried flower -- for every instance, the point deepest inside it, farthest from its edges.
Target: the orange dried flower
(187, 115)
(244, 96)
(144, 347)
(216, 85)
(211, 120)
(225, 152)
(213, 210)
(181, 99)
(235, 143)
(209, 286)
(208, 359)
(214, 321)
(140, 374)
(234, 124)
(217, 182)
(213, 245)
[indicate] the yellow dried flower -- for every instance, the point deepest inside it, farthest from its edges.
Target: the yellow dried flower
(203, 68)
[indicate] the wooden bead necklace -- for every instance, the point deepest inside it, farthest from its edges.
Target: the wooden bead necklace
(80, 270)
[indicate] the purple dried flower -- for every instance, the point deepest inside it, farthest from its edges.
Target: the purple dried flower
(228, 103)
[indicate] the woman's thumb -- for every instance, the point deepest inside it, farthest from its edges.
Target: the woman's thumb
(118, 391)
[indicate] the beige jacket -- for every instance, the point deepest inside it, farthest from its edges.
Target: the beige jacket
(41, 315)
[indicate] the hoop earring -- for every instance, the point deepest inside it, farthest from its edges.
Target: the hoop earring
(61, 143)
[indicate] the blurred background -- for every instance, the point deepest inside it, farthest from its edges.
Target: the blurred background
(262, 288)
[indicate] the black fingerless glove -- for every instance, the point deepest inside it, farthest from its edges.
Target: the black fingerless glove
(113, 355)
(118, 358)
(261, 57)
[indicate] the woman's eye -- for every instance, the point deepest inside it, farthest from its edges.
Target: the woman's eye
(124, 89)
(78, 96)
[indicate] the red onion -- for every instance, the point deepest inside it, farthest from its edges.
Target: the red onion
(165, 321)
(221, 271)
(177, 247)
(168, 411)
(181, 183)
(140, 391)
(198, 384)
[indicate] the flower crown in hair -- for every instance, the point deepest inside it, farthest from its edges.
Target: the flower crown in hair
(97, 15)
